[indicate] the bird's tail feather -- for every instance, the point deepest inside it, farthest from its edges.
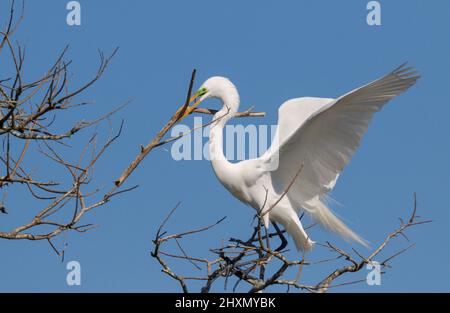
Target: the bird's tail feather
(295, 229)
(301, 240)
(323, 215)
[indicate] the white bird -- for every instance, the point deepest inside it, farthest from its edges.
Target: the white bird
(315, 139)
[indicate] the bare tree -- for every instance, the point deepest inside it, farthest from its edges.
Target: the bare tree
(29, 111)
(256, 264)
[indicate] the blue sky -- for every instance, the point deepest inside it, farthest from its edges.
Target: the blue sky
(272, 52)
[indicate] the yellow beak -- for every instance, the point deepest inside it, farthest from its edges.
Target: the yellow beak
(191, 108)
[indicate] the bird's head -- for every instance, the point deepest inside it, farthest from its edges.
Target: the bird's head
(220, 88)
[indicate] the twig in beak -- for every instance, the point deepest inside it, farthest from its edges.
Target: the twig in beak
(189, 95)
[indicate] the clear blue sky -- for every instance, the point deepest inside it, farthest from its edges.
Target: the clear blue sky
(273, 51)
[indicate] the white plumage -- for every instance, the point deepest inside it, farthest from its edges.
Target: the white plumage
(318, 135)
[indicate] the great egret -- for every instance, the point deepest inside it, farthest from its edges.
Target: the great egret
(318, 135)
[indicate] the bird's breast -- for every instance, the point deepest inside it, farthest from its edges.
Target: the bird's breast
(239, 192)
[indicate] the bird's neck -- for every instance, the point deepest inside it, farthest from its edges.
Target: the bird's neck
(216, 153)
(218, 159)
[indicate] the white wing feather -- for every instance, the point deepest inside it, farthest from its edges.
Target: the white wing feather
(322, 135)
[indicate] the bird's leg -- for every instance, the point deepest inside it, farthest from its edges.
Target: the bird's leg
(282, 238)
(252, 238)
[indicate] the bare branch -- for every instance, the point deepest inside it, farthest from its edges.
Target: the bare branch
(243, 259)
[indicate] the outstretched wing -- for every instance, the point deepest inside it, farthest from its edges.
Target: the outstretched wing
(324, 138)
